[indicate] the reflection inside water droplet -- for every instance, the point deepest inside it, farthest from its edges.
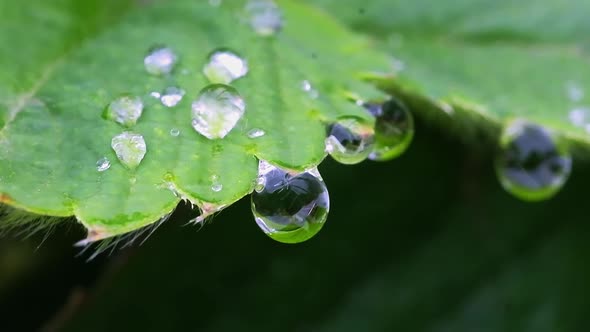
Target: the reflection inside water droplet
(532, 164)
(264, 16)
(160, 61)
(125, 110)
(130, 148)
(289, 208)
(225, 66)
(311, 91)
(350, 140)
(103, 164)
(394, 129)
(172, 96)
(174, 132)
(217, 110)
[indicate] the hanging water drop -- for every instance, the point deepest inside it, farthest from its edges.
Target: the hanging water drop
(256, 133)
(532, 164)
(289, 208)
(125, 110)
(217, 110)
(264, 16)
(160, 61)
(103, 164)
(350, 140)
(225, 66)
(172, 96)
(130, 148)
(394, 129)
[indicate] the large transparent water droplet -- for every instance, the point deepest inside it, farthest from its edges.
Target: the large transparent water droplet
(160, 61)
(532, 164)
(394, 129)
(350, 140)
(225, 66)
(103, 164)
(289, 208)
(172, 96)
(125, 110)
(217, 110)
(264, 16)
(130, 148)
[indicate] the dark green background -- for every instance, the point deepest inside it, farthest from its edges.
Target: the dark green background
(428, 242)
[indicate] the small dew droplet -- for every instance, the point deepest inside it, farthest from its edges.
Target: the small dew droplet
(574, 91)
(103, 164)
(256, 133)
(160, 61)
(172, 96)
(125, 110)
(289, 208)
(264, 16)
(394, 129)
(130, 148)
(307, 87)
(155, 94)
(174, 132)
(217, 110)
(532, 164)
(579, 116)
(350, 140)
(225, 66)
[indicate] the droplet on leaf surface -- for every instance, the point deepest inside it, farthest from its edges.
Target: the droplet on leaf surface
(532, 164)
(256, 133)
(350, 140)
(130, 148)
(125, 110)
(225, 66)
(217, 110)
(264, 16)
(394, 129)
(172, 96)
(103, 164)
(160, 61)
(289, 208)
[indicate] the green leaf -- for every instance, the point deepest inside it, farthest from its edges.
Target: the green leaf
(473, 65)
(64, 61)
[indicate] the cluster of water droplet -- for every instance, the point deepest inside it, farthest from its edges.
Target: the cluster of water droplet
(351, 139)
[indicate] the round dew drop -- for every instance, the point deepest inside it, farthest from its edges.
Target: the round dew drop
(225, 66)
(103, 164)
(531, 164)
(289, 208)
(217, 110)
(160, 61)
(350, 140)
(130, 148)
(264, 17)
(394, 129)
(125, 110)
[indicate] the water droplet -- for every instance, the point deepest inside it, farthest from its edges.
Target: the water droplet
(155, 94)
(217, 111)
(307, 87)
(103, 164)
(350, 140)
(125, 110)
(574, 91)
(215, 3)
(398, 65)
(160, 61)
(532, 164)
(172, 96)
(290, 208)
(255, 133)
(579, 117)
(174, 132)
(130, 148)
(264, 16)
(224, 66)
(394, 129)
(215, 185)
